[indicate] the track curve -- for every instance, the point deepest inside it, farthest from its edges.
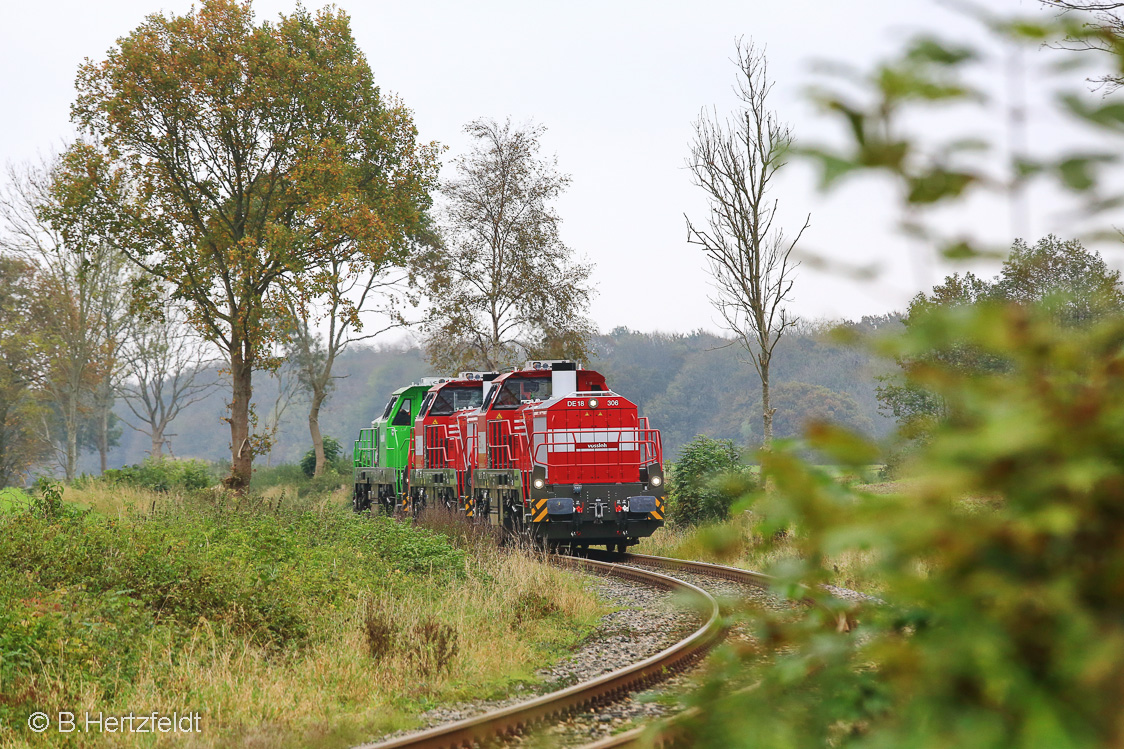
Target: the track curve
(509, 720)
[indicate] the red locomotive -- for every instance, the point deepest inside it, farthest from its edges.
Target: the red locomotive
(548, 451)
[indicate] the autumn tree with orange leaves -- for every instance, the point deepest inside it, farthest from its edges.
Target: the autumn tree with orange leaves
(236, 161)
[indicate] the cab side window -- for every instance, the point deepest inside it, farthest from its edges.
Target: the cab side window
(402, 418)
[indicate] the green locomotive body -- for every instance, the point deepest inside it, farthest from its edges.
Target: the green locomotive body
(382, 452)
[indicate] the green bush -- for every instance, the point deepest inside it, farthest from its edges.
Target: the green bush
(706, 480)
(283, 474)
(88, 596)
(163, 474)
(332, 453)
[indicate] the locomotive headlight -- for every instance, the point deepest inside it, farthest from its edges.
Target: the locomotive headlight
(539, 483)
(656, 481)
(593, 403)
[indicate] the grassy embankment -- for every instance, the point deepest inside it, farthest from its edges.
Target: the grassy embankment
(284, 622)
(738, 542)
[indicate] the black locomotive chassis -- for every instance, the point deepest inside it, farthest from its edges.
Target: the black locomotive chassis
(599, 523)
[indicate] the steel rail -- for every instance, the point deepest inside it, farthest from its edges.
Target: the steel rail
(670, 733)
(669, 736)
(708, 569)
(509, 720)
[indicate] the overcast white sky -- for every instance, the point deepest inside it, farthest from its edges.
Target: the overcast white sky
(618, 86)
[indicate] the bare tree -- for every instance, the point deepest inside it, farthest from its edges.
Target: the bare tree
(1103, 33)
(505, 286)
(735, 160)
(167, 367)
(81, 273)
(354, 287)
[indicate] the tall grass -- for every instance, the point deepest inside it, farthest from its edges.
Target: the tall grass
(285, 621)
(738, 542)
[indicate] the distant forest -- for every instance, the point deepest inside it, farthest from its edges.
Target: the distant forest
(688, 384)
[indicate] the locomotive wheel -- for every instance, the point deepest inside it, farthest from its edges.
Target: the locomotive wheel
(361, 498)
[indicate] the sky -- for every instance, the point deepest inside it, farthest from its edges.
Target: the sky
(618, 86)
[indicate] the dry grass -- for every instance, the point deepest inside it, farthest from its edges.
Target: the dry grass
(510, 615)
(370, 667)
(738, 543)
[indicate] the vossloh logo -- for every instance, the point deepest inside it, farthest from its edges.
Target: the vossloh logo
(597, 445)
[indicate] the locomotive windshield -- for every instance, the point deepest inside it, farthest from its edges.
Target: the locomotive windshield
(516, 390)
(402, 418)
(452, 399)
(389, 405)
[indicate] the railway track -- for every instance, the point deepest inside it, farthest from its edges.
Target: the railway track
(607, 688)
(633, 738)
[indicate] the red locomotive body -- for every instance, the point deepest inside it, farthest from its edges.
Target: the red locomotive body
(440, 459)
(561, 456)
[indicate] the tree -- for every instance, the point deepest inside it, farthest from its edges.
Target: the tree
(234, 159)
(80, 272)
(800, 403)
(735, 162)
(353, 288)
(696, 491)
(504, 286)
(166, 370)
(21, 363)
(1072, 283)
(330, 449)
(1103, 32)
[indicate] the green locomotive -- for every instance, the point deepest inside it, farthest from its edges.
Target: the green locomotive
(381, 453)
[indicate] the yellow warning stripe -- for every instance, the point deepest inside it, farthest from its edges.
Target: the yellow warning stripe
(657, 515)
(540, 510)
(540, 516)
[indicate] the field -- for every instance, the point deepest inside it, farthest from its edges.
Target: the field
(740, 542)
(286, 622)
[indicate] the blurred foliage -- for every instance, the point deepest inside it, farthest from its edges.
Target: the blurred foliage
(1070, 284)
(706, 480)
(1002, 562)
(931, 78)
(1004, 623)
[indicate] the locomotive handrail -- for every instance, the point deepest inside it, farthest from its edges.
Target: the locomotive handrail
(502, 439)
(436, 453)
(364, 449)
(648, 447)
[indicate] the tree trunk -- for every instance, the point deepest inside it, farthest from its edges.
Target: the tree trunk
(314, 429)
(71, 449)
(103, 438)
(241, 450)
(157, 451)
(767, 410)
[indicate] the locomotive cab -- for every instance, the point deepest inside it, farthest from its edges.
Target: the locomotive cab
(381, 454)
(562, 456)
